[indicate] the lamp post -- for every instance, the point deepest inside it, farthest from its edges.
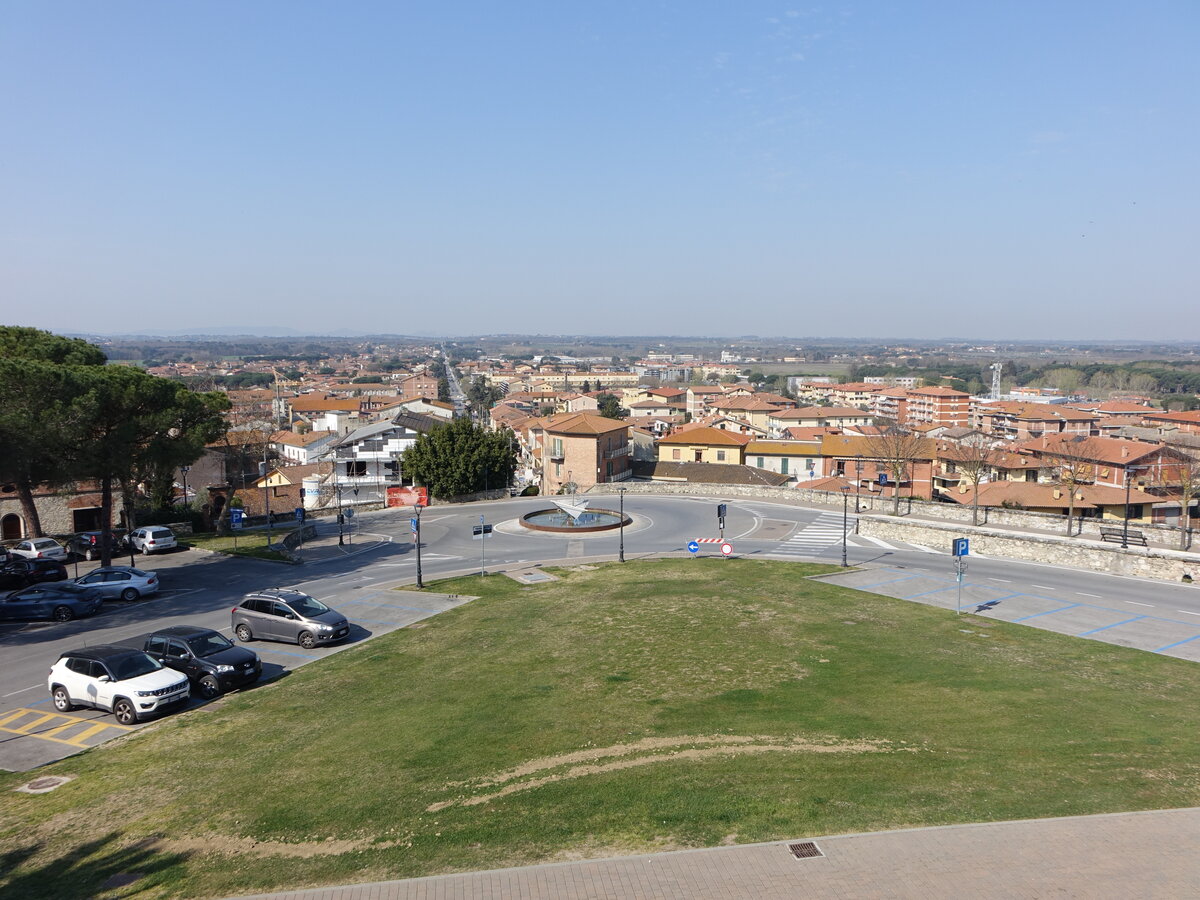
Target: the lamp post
(621, 552)
(417, 507)
(858, 467)
(1125, 528)
(184, 470)
(845, 502)
(341, 518)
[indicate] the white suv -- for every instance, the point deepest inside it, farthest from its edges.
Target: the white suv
(130, 683)
(152, 538)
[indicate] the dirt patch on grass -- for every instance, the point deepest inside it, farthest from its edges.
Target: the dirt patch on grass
(222, 843)
(645, 752)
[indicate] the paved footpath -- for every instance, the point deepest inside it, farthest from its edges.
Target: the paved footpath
(1124, 855)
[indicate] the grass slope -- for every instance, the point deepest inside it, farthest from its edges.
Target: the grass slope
(653, 705)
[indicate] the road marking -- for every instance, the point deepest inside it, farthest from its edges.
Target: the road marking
(1187, 611)
(1106, 627)
(22, 690)
(9, 723)
(1177, 643)
(1042, 587)
(1093, 596)
(1048, 612)
(1005, 580)
(1135, 603)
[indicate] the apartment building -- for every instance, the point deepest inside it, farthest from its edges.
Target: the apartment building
(938, 406)
(581, 450)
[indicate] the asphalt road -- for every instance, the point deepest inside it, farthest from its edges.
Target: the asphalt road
(201, 588)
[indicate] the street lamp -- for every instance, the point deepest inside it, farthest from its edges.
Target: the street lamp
(858, 467)
(417, 507)
(184, 470)
(845, 502)
(621, 553)
(1129, 470)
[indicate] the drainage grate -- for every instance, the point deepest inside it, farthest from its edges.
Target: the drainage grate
(805, 850)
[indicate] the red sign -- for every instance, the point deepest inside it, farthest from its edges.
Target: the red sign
(727, 548)
(407, 496)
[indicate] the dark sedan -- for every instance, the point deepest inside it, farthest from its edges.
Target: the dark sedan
(18, 572)
(60, 602)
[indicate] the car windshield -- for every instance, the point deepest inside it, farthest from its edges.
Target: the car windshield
(208, 644)
(305, 605)
(133, 665)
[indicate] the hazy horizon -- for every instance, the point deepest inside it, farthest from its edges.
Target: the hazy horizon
(1023, 172)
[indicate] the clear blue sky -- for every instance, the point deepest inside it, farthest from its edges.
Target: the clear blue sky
(1004, 170)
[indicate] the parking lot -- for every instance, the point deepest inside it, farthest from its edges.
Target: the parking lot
(198, 588)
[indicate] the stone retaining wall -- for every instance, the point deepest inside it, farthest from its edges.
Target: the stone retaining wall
(1137, 562)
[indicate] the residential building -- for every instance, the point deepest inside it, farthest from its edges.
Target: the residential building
(938, 406)
(581, 450)
(704, 444)
(302, 449)
(798, 460)
(367, 460)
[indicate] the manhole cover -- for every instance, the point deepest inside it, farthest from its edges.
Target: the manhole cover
(44, 785)
(805, 850)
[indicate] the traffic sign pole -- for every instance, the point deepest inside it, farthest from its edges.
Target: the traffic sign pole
(417, 535)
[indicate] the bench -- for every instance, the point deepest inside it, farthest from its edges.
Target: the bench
(1117, 536)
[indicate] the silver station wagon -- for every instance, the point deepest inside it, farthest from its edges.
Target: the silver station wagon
(282, 614)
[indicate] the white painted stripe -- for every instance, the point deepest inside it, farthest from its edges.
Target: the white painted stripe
(1186, 611)
(1085, 594)
(1135, 603)
(23, 690)
(1005, 580)
(1043, 587)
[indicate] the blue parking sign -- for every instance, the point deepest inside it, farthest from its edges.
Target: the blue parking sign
(962, 546)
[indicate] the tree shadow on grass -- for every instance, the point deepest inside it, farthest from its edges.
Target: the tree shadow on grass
(94, 869)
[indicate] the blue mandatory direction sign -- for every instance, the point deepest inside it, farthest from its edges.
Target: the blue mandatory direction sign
(412, 523)
(693, 547)
(962, 546)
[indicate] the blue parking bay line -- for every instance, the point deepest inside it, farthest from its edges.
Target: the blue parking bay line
(865, 587)
(1048, 612)
(1177, 643)
(927, 593)
(1106, 627)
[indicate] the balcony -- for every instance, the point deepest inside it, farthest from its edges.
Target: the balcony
(618, 452)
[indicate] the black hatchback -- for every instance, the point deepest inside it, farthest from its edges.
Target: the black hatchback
(212, 662)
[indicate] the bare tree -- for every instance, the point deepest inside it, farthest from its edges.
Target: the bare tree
(973, 458)
(1181, 476)
(897, 449)
(1074, 465)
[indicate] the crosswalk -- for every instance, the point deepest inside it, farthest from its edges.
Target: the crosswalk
(820, 536)
(824, 536)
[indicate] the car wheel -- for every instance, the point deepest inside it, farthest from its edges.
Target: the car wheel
(209, 687)
(125, 712)
(306, 640)
(62, 700)
(89, 555)
(145, 550)
(63, 614)
(130, 594)
(243, 633)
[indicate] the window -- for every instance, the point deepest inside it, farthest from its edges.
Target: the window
(356, 468)
(675, 453)
(720, 456)
(783, 466)
(610, 469)
(157, 645)
(760, 463)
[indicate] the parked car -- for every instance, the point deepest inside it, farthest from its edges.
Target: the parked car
(121, 582)
(212, 662)
(152, 538)
(87, 543)
(282, 614)
(39, 548)
(131, 684)
(19, 572)
(60, 602)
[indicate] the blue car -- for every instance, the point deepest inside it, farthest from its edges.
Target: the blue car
(60, 602)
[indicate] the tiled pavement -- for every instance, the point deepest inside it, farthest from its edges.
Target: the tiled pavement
(1125, 855)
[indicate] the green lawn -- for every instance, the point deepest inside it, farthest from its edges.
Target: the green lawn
(246, 543)
(654, 705)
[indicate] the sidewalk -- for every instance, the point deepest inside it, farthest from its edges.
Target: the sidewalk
(1144, 855)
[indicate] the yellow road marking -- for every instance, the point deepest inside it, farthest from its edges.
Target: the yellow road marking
(26, 730)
